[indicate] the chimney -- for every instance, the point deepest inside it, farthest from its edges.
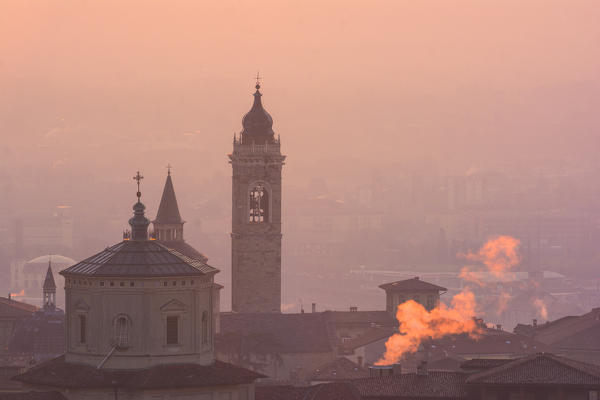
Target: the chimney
(314, 307)
(499, 327)
(9, 295)
(422, 368)
(534, 322)
(353, 309)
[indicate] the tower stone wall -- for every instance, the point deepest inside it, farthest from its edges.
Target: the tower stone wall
(256, 215)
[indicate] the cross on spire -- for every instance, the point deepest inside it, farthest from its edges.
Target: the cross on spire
(138, 178)
(169, 168)
(258, 78)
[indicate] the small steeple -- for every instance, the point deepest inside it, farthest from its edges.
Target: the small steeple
(49, 289)
(257, 123)
(168, 224)
(139, 223)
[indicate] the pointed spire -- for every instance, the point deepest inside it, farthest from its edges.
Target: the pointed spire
(49, 283)
(168, 225)
(139, 223)
(168, 210)
(49, 289)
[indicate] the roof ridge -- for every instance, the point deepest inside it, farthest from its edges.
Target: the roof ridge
(188, 260)
(567, 362)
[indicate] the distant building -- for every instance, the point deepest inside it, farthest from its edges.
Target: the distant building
(41, 336)
(576, 337)
(538, 376)
(424, 293)
(256, 214)
(12, 313)
(27, 278)
(140, 324)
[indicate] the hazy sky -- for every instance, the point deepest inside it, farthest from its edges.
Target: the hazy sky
(107, 87)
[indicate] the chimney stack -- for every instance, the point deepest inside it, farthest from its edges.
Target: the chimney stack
(353, 309)
(314, 307)
(499, 327)
(422, 368)
(534, 322)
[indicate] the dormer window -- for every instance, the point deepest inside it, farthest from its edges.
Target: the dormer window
(259, 204)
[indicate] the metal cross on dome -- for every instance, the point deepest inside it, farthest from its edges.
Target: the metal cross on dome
(138, 178)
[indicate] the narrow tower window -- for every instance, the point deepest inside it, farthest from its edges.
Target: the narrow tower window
(122, 332)
(82, 329)
(259, 204)
(172, 330)
(204, 327)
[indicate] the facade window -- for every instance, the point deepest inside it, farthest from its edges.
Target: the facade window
(172, 330)
(122, 332)
(204, 327)
(430, 303)
(101, 283)
(259, 204)
(82, 328)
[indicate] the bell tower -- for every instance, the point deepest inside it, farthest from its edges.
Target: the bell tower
(256, 214)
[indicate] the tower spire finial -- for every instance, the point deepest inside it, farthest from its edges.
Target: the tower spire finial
(138, 178)
(169, 168)
(257, 80)
(139, 223)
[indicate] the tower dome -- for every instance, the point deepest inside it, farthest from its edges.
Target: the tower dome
(257, 123)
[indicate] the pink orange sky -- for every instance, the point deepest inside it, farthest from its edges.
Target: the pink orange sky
(458, 83)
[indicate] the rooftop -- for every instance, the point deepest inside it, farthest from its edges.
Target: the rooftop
(61, 374)
(139, 258)
(339, 369)
(274, 332)
(414, 284)
(540, 369)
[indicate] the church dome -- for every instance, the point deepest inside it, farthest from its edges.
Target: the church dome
(257, 123)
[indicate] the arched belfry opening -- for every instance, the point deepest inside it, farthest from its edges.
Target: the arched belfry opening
(259, 204)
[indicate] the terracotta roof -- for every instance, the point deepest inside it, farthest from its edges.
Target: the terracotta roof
(13, 308)
(436, 384)
(325, 391)
(184, 248)
(340, 369)
(168, 210)
(144, 258)
(540, 369)
(33, 396)
(369, 336)
(42, 335)
(273, 332)
(414, 284)
(446, 364)
(376, 318)
(61, 374)
(489, 341)
(582, 332)
(477, 364)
